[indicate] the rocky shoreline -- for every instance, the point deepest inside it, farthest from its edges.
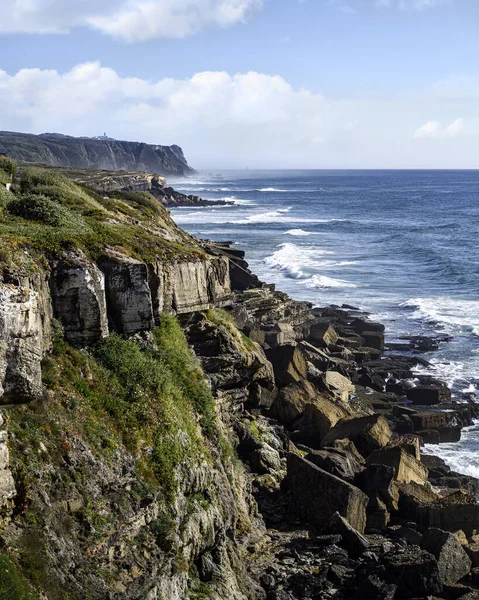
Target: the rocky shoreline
(361, 512)
(286, 462)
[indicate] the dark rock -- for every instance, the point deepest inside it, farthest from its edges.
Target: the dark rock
(428, 395)
(373, 339)
(414, 571)
(292, 400)
(378, 480)
(375, 589)
(352, 540)
(453, 561)
(367, 433)
(406, 467)
(316, 495)
(362, 325)
(288, 363)
(341, 463)
(318, 419)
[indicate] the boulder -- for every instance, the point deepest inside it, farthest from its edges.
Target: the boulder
(338, 385)
(428, 420)
(319, 358)
(407, 468)
(367, 433)
(373, 588)
(362, 325)
(289, 364)
(352, 541)
(377, 514)
(458, 510)
(429, 395)
(315, 495)
(473, 550)
(414, 571)
(453, 561)
(318, 419)
(292, 401)
(183, 286)
(377, 480)
(341, 463)
(373, 339)
(323, 334)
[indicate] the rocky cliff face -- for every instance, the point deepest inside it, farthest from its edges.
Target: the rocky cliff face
(173, 429)
(66, 151)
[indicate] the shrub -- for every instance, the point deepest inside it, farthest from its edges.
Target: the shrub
(154, 403)
(5, 196)
(35, 207)
(226, 320)
(13, 585)
(8, 165)
(184, 366)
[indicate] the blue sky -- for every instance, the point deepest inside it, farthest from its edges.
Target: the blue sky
(285, 83)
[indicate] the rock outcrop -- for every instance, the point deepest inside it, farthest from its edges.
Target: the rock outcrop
(21, 343)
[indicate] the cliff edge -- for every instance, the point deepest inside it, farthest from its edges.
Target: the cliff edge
(66, 151)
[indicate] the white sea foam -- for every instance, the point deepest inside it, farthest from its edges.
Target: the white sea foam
(457, 317)
(278, 216)
(463, 456)
(300, 232)
(297, 262)
(294, 260)
(321, 281)
(458, 375)
(271, 189)
(239, 201)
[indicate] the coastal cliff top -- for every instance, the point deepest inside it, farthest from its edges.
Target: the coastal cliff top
(58, 150)
(45, 213)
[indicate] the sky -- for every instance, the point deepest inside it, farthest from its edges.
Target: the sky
(251, 83)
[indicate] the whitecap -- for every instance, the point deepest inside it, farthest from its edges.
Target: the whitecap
(462, 457)
(295, 260)
(300, 232)
(457, 317)
(321, 281)
(271, 189)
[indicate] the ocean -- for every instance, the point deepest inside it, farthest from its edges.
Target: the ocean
(402, 245)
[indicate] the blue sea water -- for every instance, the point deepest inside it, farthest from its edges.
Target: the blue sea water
(403, 245)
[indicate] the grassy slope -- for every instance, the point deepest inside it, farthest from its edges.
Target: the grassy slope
(152, 400)
(48, 213)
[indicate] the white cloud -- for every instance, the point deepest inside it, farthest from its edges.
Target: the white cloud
(410, 4)
(244, 119)
(434, 129)
(130, 20)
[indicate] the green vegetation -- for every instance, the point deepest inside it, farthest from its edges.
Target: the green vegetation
(13, 584)
(150, 398)
(48, 213)
(36, 207)
(8, 166)
(226, 320)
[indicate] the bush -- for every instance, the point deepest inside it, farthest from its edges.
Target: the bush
(8, 165)
(158, 397)
(13, 585)
(35, 207)
(5, 196)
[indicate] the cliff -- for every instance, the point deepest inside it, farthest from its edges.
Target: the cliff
(65, 151)
(174, 429)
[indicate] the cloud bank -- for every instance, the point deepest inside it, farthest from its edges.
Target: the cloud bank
(242, 120)
(128, 20)
(434, 129)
